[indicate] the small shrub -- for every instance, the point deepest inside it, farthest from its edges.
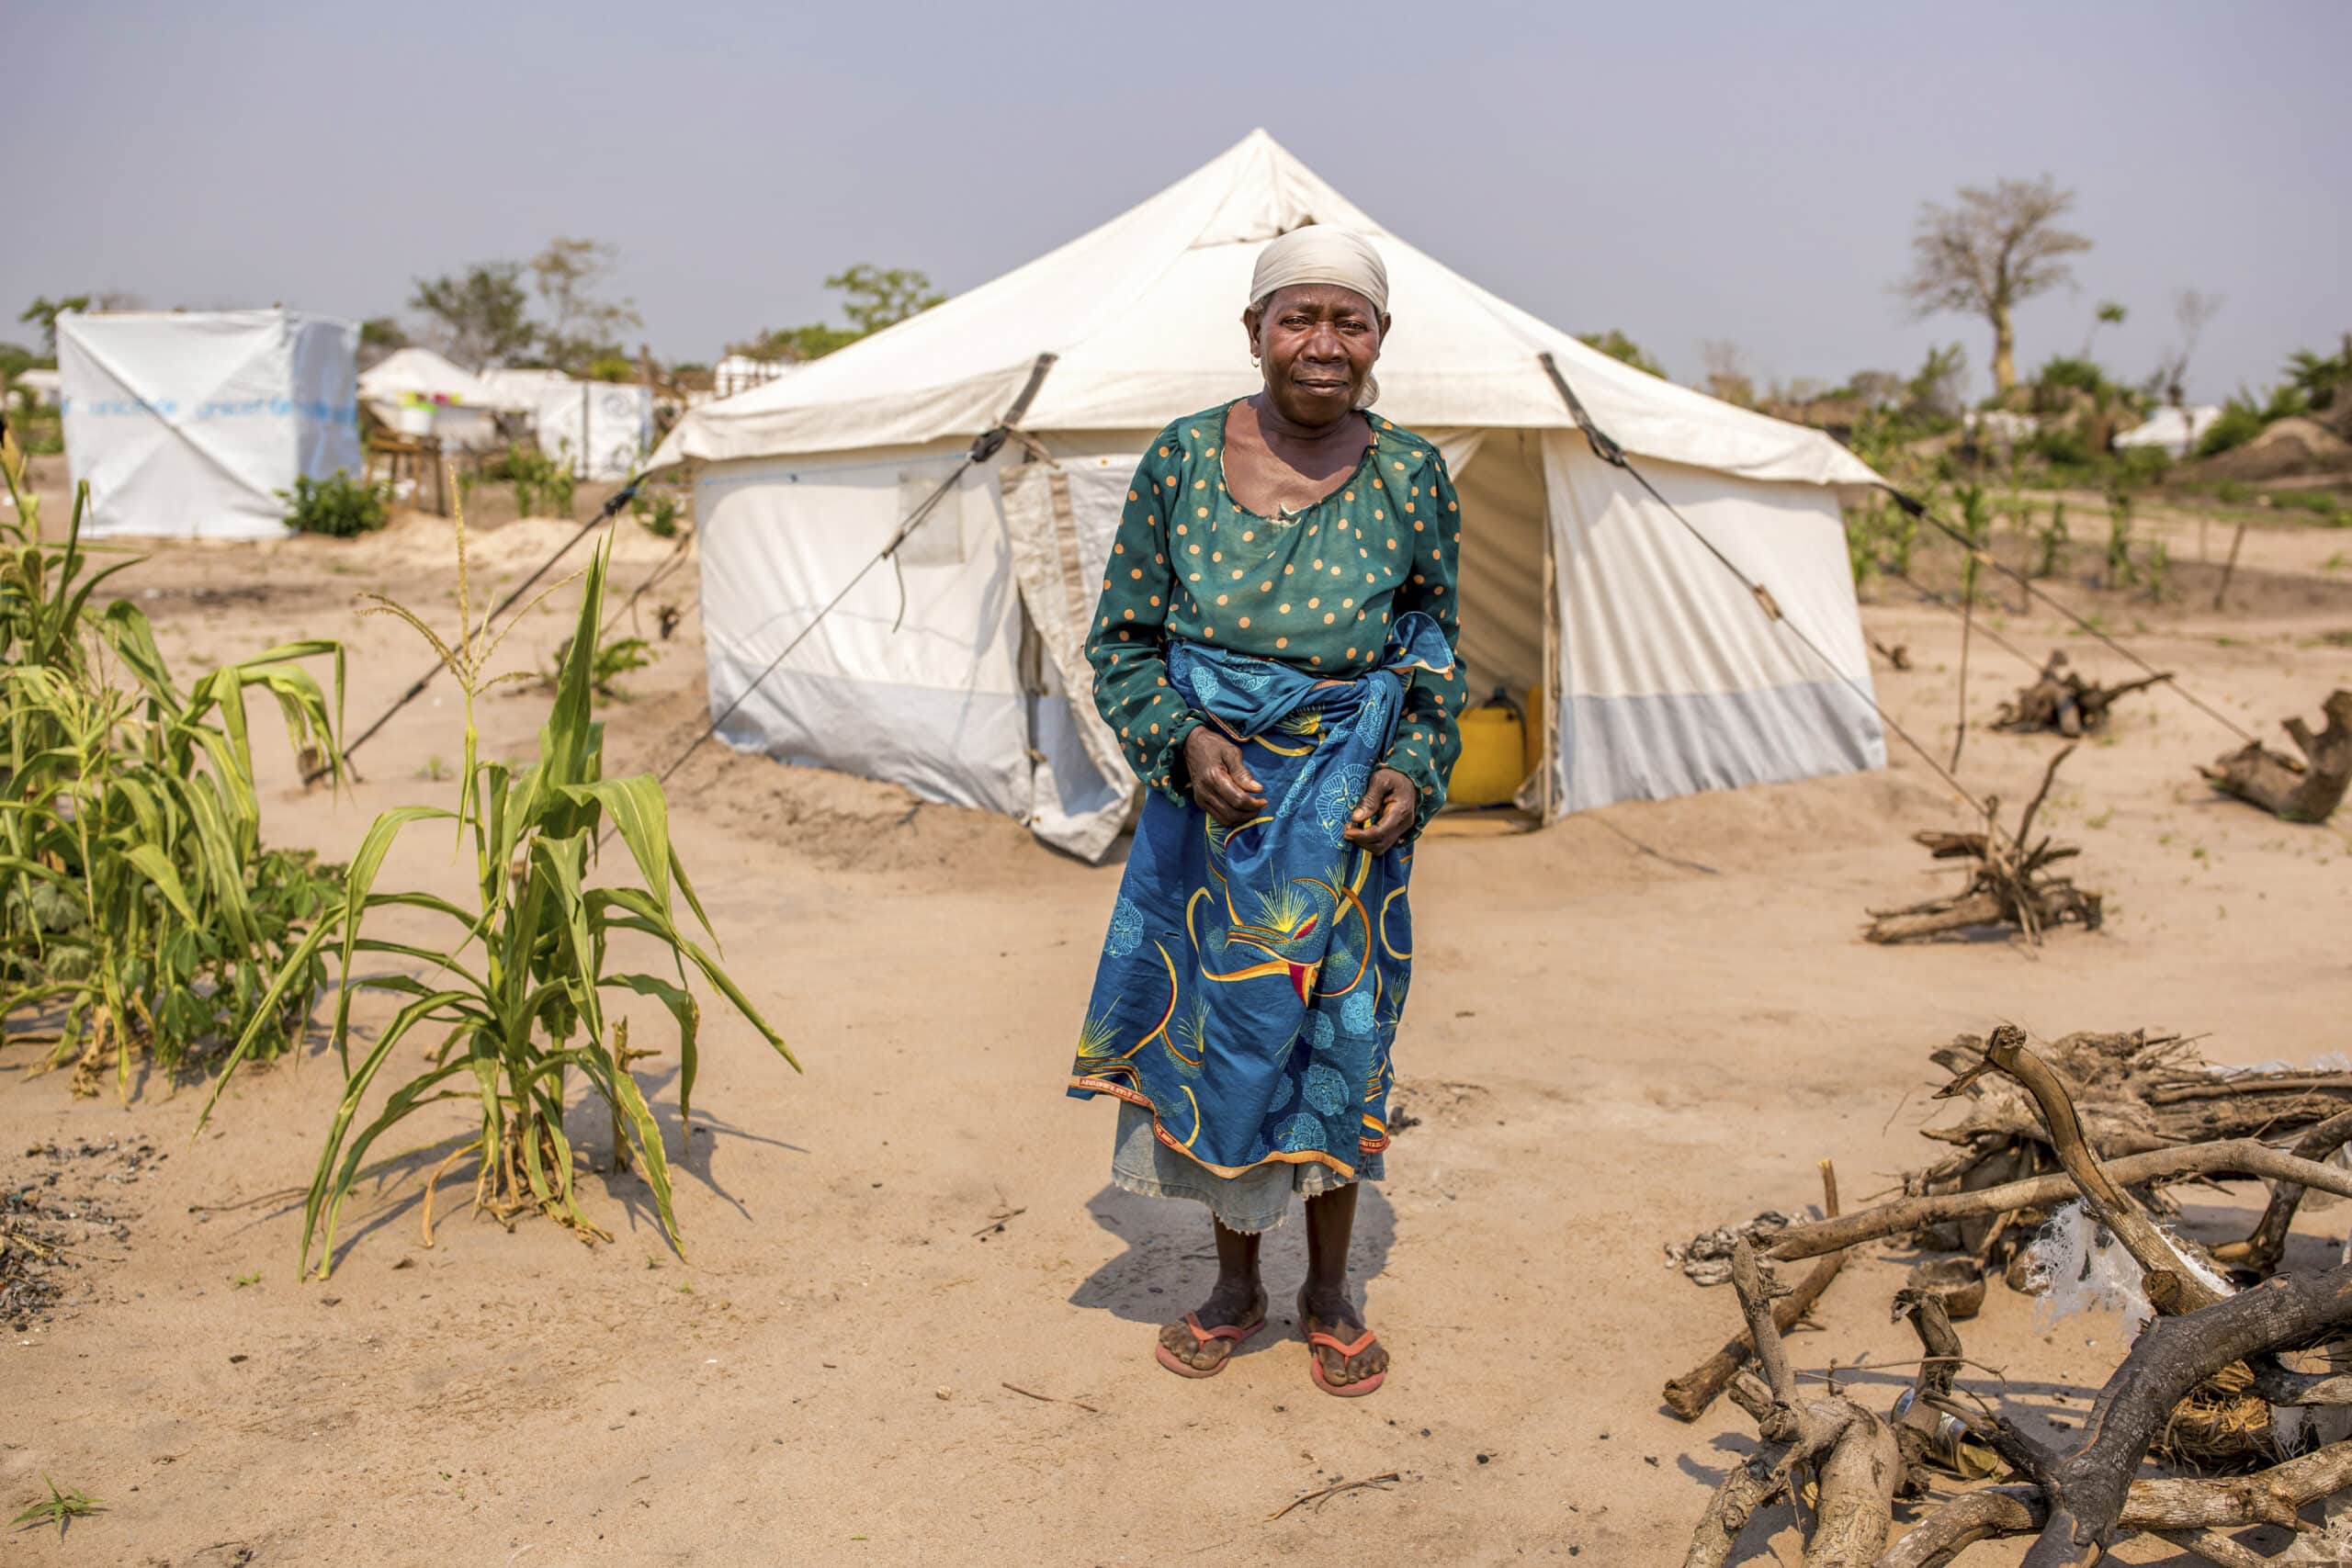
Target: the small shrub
(2062, 446)
(2141, 466)
(2119, 572)
(2156, 569)
(2240, 422)
(614, 660)
(2232, 493)
(543, 485)
(2052, 539)
(2320, 503)
(339, 506)
(657, 511)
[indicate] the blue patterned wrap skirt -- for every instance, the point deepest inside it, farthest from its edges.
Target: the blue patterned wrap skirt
(1253, 977)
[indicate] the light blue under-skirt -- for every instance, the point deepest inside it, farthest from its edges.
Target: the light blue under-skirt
(1253, 1202)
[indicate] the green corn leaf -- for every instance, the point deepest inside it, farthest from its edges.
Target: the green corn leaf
(328, 1190)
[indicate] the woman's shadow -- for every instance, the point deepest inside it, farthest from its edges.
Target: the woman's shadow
(1171, 1257)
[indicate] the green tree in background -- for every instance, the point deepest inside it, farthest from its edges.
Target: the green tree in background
(1998, 247)
(43, 312)
(1617, 345)
(872, 298)
(483, 317)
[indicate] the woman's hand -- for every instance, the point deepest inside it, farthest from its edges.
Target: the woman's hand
(1223, 784)
(1384, 814)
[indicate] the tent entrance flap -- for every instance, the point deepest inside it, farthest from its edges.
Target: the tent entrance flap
(1509, 615)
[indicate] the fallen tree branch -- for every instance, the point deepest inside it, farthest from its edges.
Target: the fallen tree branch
(1689, 1395)
(2273, 1497)
(2260, 1250)
(2087, 1484)
(2159, 1257)
(1852, 1452)
(2233, 1156)
(2011, 885)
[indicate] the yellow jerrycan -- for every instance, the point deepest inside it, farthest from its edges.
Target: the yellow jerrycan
(1494, 751)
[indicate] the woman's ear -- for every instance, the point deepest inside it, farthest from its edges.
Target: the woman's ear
(1250, 320)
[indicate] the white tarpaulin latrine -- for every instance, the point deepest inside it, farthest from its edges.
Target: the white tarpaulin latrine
(601, 428)
(1659, 673)
(189, 423)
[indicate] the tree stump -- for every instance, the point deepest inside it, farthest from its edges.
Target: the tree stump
(2060, 700)
(2307, 790)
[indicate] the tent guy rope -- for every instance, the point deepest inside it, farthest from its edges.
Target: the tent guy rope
(619, 499)
(1919, 509)
(984, 447)
(1608, 452)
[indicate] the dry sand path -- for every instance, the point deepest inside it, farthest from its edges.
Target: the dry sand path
(1626, 1029)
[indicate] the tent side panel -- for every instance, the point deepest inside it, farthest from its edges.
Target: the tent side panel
(935, 704)
(1672, 677)
(326, 403)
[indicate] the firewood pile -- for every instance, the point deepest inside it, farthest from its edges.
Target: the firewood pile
(2010, 882)
(2062, 700)
(2305, 789)
(2085, 1132)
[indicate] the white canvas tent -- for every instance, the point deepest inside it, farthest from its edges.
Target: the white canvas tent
(189, 423)
(2175, 430)
(418, 392)
(601, 428)
(1660, 674)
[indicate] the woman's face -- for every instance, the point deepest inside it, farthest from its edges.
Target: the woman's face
(1318, 342)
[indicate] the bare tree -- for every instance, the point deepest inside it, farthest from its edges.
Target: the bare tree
(1726, 373)
(2191, 309)
(1995, 249)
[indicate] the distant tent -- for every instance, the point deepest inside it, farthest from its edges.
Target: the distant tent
(740, 373)
(42, 386)
(417, 392)
(188, 424)
(1655, 672)
(2175, 430)
(602, 429)
(519, 390)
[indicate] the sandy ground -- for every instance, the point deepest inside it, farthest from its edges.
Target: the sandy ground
(1640, 1023)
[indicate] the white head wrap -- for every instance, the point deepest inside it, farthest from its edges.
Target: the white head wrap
(1321, 254)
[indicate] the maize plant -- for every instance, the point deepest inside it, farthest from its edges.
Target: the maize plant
(511, 1002)
(137, 908)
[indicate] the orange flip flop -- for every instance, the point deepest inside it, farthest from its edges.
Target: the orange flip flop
(1356, 1390)
(1192, 1321)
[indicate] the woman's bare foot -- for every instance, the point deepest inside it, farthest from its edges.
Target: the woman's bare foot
(1236, 1304)
(1333, 1313)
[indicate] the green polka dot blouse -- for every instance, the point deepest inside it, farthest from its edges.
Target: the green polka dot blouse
(1317, 591)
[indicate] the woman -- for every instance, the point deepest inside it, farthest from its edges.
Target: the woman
(1275, 650)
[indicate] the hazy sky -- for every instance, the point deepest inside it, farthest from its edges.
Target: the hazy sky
(1686, 173)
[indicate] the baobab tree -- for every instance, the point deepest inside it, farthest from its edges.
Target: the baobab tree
(1994, 250)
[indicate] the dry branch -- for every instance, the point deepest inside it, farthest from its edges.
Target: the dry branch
(2307, 790)
(2011, 883)
(2234, 1156)
(2060, 700)
(2260, 1250)
(1689, 1394)
(2176, 1282)
(2087, 1486)
(1851, 1452)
